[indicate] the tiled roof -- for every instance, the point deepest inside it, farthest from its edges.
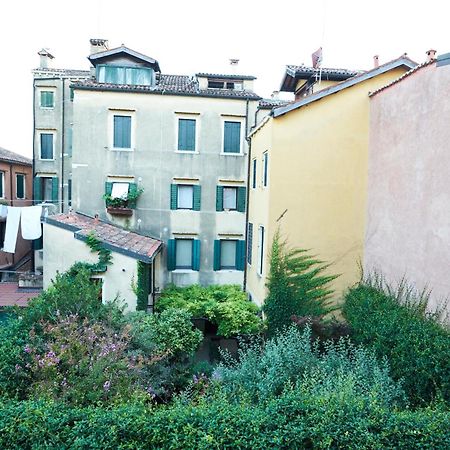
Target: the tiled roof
(399, 62)
(296, 70)
(50, 72)
(269, 103)
(169, 84)
(6, 155)
(229, 76)
(129, 243)
(11, 294)
(405, 75)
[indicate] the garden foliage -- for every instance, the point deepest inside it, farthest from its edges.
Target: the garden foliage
(226, 306)
(297, 286)
(397, 327)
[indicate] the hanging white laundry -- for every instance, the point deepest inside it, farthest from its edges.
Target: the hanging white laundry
(3, 211)
(12, 229)
(31, 222)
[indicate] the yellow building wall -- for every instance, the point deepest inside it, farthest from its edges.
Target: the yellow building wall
(318, 156)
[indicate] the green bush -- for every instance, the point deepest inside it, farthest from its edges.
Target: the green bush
(287, 422)
(225, 306)
(417, 346)
(290, 359)
(296, 286)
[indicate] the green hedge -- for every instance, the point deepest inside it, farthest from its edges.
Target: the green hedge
(284, 423)
(416, 346)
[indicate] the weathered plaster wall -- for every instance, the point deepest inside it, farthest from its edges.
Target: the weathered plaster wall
(408, 216)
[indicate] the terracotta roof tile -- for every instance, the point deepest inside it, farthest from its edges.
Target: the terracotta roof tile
(122, 241)
(6, 155)
(11, 294)
(269, 103)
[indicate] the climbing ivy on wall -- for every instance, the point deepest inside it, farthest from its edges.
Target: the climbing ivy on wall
(142, 286)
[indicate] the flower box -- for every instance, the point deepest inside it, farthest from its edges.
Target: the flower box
(119, 211)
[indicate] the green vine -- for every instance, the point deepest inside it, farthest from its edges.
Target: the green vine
(104, 255)
(142, 286)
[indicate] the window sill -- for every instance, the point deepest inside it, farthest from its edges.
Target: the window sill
(228, 270)
(187, 152)
(44, 159)
(184, 271)
(115, 149)
(231, 154)
(47, 108)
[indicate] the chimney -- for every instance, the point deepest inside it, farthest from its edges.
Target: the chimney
(98, 45)
(46, 57)
(431, 54)
(376, 61)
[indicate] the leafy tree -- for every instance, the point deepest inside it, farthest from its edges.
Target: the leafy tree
(297, 286)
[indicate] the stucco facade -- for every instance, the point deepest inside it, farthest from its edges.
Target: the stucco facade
(408, 210)
(316, 193)
(14, 170)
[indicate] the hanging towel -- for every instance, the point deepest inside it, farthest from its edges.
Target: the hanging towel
(12, 229)
(31, 222)
(3, 211)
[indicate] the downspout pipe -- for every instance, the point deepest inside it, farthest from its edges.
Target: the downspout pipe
(33, 168)
(62, 143)
(249, 160)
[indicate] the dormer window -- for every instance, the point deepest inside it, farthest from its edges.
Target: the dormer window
(142, 76)
(225, 84)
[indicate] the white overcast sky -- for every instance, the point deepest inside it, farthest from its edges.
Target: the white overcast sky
(200, 36)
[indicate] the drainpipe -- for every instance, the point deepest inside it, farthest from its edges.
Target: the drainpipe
(11, 201)
(62, 145)
(33, 266)
(249, 160)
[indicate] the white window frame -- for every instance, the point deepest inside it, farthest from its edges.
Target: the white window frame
(178, 196)
(254, 173)
(226, 118)
(233, 267)
(53, 132)
(191, 240)
(261, 245)
(46, 89)
(189, 116)
(2, 178)
(121, 112)
(264, 171)
(24, 186)
(235, 188)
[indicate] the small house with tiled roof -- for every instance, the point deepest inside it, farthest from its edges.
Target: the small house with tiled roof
(136, 257)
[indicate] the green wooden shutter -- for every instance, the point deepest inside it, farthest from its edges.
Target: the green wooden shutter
(197, 197)
(232, 137)
(122, 132)
(171, 255)
(46, 146)
(241, 198)
(196, 254)
(186, 134)
(38, 244)
(240, 255)
(20, 185)
(37, 189)
(108, 187)
(249, 242)
(2, 175)
(173, 196)
(216, 255)
(132, 189)
(55, 188)
(219, 198)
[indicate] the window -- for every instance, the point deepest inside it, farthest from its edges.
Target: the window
(225, 84)
(20, 185)
(186, 135)
(122, 132)
(69, 191)
(254, 174)
(265, 164)
(2, 233)
(46, 146)
(261, 250)
(183, 252)
(229, 254)
(2, 184)
(142, 76)
(249, 242)
(231, 198)
(119, 190)
(47, 99)
(185, 196)
(232, 137)
(45, 189)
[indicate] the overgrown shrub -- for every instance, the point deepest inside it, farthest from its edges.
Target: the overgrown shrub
(417, 346)
(291, 360)
(226, 306)
(297, 286)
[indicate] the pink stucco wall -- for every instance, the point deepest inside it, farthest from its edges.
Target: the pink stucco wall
(408, 217)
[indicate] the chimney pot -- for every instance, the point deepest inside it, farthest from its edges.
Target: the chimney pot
(98, 45)
(376, 61)
(46, 57)
(431, 54)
